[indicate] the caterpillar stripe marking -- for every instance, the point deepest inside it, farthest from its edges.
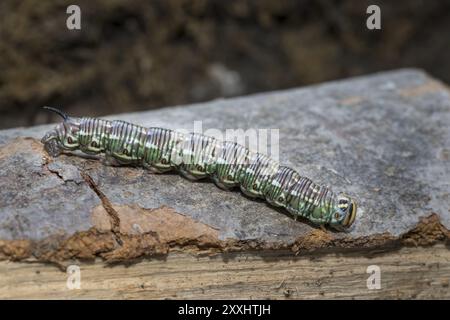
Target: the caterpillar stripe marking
(196, 156)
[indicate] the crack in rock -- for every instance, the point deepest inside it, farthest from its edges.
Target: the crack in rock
(68, 173)
(107, 205)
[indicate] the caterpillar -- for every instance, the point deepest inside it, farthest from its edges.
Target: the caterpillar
(196, 156)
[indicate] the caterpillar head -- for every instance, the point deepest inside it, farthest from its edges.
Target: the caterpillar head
(64, 136)
(344, 212)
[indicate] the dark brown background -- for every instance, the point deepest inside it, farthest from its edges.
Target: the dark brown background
(134, 55)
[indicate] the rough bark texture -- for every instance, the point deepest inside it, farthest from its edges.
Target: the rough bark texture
(384, 139)
(409, 273)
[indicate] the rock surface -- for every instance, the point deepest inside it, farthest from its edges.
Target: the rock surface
(383, 139)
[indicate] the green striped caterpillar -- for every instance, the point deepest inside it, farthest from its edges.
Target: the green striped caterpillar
(196, 156)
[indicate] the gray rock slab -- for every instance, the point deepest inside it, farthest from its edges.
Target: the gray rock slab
(384, 139)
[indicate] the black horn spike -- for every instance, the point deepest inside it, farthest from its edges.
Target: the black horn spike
(57, 111)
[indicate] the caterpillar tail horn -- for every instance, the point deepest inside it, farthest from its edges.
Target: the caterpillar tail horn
(57, 111)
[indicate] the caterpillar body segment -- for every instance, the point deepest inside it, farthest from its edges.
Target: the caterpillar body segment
(196, 156)
(126, 142)
(161, 149)
(232, 161)
(278, 191)
(258, 174)
(93, 135)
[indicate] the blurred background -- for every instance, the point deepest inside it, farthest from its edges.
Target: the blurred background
(136, 55)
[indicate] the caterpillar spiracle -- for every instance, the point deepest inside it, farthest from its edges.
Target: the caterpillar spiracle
(196, 156)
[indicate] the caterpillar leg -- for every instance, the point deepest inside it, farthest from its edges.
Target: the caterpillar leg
(221, 185)
(109, 160)
(155, 170)
(189, 175)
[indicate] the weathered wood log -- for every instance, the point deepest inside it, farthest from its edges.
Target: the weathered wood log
(409, 273)
(385, 139)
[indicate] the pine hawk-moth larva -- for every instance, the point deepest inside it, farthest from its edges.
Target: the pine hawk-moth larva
(196, 156)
